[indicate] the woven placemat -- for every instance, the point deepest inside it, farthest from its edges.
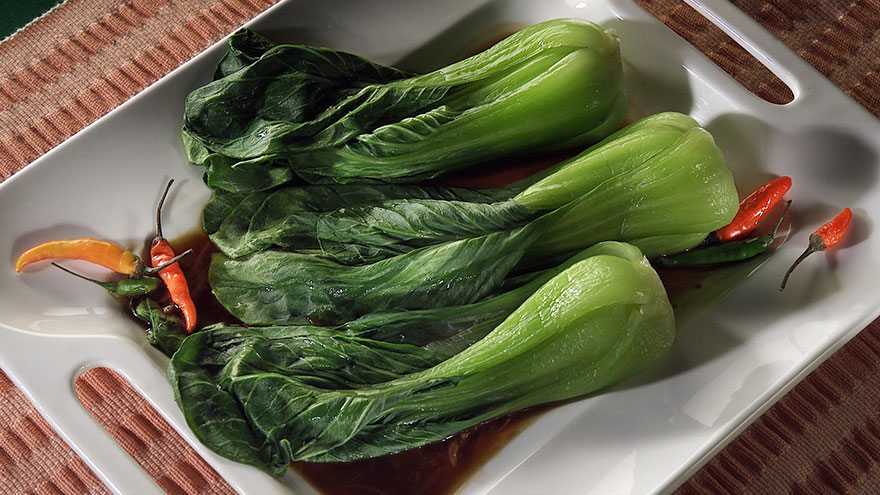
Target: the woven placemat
(69, 68)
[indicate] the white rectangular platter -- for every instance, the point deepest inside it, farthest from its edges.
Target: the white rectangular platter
(644, 436)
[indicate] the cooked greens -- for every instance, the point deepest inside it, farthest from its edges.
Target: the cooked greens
(272, 287)
(667, 204)
(269, 395)
(164, 331)
(279, 113)
(383, 315)
(351, 223)
(598, 195)
(660, 184)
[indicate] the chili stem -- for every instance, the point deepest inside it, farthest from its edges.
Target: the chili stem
(159, 208)
(167, 263)
(794, 265)
(79, 275)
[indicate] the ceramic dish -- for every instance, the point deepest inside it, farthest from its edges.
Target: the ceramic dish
(645, 436)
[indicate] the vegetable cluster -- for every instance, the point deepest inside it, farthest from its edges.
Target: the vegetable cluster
(383, 314)
(380, 313)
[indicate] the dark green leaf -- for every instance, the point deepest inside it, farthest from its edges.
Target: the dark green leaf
(355, 224)
(213, 360)
(275, 287)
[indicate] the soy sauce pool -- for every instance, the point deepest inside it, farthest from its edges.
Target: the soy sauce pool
(439, 468)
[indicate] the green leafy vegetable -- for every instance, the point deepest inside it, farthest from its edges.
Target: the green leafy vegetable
(452, 329)
(597, 195)
(277, 287)
(211, 360)
(661, 185)
(442, 316)
(276, 112)
(668, 204)
(360, 223)
(267, 396)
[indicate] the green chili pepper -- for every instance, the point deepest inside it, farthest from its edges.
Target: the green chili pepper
(126, 287)
(726, 252)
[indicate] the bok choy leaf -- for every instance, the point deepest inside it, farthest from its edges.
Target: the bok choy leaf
(360, 223)
(164, 331)
(452, 329)
(660, 184)
(277, 287)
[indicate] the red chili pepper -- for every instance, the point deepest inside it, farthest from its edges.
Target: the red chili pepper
(753, 208)
(823, 238)
(105, 253)
(172, 275)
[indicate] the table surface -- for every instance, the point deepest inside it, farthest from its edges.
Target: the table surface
(58, 74)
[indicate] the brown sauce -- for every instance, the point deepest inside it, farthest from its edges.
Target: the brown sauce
(436, 469)
(681, 280)
(500, 174)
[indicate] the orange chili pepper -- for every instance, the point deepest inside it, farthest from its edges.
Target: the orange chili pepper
(105, 253)
(160, 253)
(753, 208)
(823, 238)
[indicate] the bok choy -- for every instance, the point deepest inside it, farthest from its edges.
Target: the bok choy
(279, 113)
(601, 194)
(266, 396)
(660, 184)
